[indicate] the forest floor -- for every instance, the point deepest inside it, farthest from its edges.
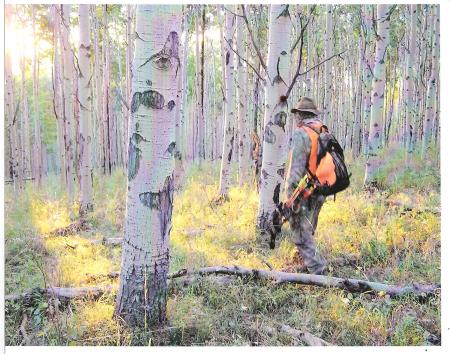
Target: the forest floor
(391, 236)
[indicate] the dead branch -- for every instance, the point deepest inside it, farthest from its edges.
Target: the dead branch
(113, 241)
(349, 284)
(258, 52)
(61, 293)
(246, 61)
(79, 225)
(304, 336)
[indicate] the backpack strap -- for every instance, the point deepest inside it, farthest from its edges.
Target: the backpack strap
(313, 131)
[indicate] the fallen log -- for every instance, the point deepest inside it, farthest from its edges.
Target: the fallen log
(304, 336)
(61, 293)
(77, 226)
(349, 284)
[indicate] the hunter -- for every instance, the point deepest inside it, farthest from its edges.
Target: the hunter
(303, 212)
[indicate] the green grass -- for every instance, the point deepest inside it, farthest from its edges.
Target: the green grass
(388, 244)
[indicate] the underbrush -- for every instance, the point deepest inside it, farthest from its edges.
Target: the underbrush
(391, 236)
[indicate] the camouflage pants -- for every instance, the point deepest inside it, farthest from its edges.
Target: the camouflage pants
(303, 225)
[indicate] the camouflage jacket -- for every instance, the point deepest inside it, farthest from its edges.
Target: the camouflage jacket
(297, 159)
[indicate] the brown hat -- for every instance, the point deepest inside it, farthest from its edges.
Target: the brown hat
(306, 104)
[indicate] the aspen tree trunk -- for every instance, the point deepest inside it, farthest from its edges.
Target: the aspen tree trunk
(84, 80)
(10, 110)
(202, 121)
(25, 120)
(37, 143)
(57, 91)
(68, 98)
(198, 94)
(228, 128)
(356, 144)
(275, 115)
(129, 61)
(410, 80)
(378, 93)
(180, 104)
(242, 102)
(98, 132)
(141, 299)
(430, 114)
(105, 98)
(328, 68)
(309, 55)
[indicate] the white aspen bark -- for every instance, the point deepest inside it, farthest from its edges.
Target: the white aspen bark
(410, 80)
(98, 95)
(68, 97)
(243, 140)
(275, 115)
(57, 91)
(378, 95)
(26, 152)
(10, 109)
(106, 118)
(309, 55)
(228, 128)
(328, 67)
(84, 83)
(356, 143)
(141, 298)
(430, 114)
(37, 143)
(180, 105)
(129, 61)
(198, 105)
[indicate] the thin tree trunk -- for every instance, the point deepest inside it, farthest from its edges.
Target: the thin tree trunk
(84, 79)
(141, 299)
(67, 61)
(107, 168)
(36, 118)
(228, 129)
(378, 94)
(431, 87)
(328, 67)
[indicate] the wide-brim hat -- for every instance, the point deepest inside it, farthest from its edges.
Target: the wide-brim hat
(306, 104)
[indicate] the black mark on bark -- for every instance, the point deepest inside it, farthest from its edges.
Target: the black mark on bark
(150, 99)
(264, 173)
(230, 153)
(171, 148)
(269, 135)
(134, 155)
(171, 104)
(280, 119)
(150, 200)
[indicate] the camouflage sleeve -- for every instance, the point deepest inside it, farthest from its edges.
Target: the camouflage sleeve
(301, 146)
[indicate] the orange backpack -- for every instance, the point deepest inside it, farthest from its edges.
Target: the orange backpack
(326, 166)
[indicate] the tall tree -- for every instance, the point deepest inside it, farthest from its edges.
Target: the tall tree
(430, 114)
(410, 80)
(228, 128)
(275, 115)
(84, 79)
(37, 143)
(243, 141)
(68, 116)
(141, 299)
(328, 67)
(378, 94)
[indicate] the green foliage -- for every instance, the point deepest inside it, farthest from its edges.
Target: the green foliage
(394, 237)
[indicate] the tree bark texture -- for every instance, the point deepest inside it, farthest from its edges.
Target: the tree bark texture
(84, 85)
(141, 299)
(275, 116)
(378, 95)
(229, 123)
(430, 114)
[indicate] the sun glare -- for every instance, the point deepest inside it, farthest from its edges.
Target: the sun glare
(19, 41)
